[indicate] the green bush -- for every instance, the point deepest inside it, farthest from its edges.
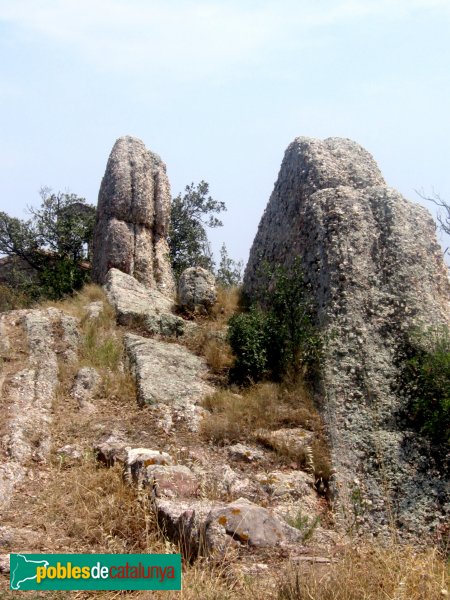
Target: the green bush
(12, 299)
(425, 381)
(247, 334)
(61, 277)
(277, 336)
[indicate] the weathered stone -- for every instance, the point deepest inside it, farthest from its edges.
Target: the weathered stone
(112, 449)
(175, 481)
(251, 524)
(245, 453)
(183, 522)
(166, 373)
(138, 459)
(71, 452)
(5, 345)
(85, 386)
(32, 390)
(279, 484)
(197, 290)
(234, 484)
(70, 337)
(375, 271)
(94, 309)
(179, 412)
(4, 564)
(291, 442)
(133, 216)
(138, 305)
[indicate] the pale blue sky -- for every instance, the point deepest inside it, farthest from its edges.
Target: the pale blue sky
(219, 89)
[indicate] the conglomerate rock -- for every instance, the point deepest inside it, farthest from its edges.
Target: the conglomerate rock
(375, 271)
(136, 304)
(197, 289)
(166, 372)
(133, 216)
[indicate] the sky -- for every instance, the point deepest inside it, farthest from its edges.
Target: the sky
(219, 89)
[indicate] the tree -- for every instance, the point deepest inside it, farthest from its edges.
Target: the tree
(443, 216)
(229, 272)
(188, 240)
(55, 242)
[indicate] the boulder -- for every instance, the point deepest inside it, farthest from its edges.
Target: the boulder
(196, 290)
(133, 216)
(251, 524)
(202, 527)
(136, 304)
(375, 271)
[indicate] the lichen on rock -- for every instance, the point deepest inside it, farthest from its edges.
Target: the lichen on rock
(375, 271)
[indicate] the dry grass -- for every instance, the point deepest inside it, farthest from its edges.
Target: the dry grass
(12, 299)
(227, 304)
(101, 345)
(202, 581)
(267, 406)
(98, 512)
(75, 305)
(372, 573)
(367, 573)
(209, 339)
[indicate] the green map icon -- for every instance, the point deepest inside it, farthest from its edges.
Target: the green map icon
(23, 569)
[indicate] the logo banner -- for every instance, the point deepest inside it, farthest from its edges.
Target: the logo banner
(95, 572)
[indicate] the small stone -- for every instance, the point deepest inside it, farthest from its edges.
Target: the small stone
(245, 453)
(111, 450)
(138, 459)
(70, 452)
(4, 564)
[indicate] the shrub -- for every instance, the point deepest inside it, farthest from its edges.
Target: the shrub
(249, 341)
(277, 337)
(425, 381)
(12, 299)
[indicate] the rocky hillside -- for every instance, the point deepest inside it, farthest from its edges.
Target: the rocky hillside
(121, 434)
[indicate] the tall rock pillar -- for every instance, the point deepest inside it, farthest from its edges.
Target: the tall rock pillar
(133, 216)
(376, 272)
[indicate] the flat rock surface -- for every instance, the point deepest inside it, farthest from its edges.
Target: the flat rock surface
(252, 524)
(166, 373)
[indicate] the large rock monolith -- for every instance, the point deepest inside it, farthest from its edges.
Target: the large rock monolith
(376, 271)
(133, 217)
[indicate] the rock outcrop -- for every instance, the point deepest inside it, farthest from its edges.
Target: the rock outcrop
(197, 290)
(27, 394)
(136, 304)
(375, 271)
(133, 217)
(170, 379)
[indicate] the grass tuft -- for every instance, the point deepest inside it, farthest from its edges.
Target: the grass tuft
(371, 572)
